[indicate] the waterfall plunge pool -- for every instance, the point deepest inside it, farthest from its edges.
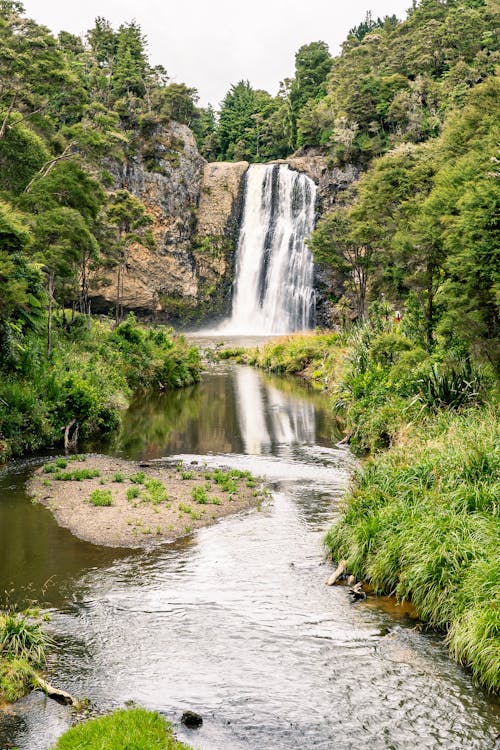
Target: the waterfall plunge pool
(235, 622)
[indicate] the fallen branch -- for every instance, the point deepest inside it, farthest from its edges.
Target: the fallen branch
(340, 570)
(61, 696)
(345, 440)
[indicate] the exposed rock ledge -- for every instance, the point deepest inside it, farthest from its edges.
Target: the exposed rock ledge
(216, 234)
(331, 181)
(165, 174)
(220, 198)
(196, 208)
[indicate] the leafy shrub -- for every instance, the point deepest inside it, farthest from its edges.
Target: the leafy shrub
(78, 475)
(199, 495)
(451, 388)
(101, 498)
(133, 492)
(386, 348)
(225, 481)
(156, 492)
(138, 478)
(237, 353)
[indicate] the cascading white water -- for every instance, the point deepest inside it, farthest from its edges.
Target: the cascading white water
(273, 287)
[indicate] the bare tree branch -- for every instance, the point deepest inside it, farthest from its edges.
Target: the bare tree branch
(48, 166)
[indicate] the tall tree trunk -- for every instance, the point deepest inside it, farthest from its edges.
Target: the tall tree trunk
(50, 286)
(84, 286)
(119, 293)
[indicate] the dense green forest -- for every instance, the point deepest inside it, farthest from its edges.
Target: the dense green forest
(64, 105)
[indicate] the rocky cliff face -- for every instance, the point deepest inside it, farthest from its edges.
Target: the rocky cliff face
(195, 208)
(332, 182)
(165, 174)
(216, 239)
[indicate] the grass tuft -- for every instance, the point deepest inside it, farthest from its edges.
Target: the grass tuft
(133, 729)
(138, 478)
(199, 495)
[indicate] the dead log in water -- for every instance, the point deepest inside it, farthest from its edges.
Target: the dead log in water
(337, 573)
(356, 592)
(61, 696)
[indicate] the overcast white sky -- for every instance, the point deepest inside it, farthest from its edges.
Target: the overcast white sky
(210, 44)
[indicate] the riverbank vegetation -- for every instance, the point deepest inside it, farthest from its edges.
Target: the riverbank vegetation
(92, 372)
(71, 110)
(413, 371)
(422, 522)
(23, 650)
(134, 729)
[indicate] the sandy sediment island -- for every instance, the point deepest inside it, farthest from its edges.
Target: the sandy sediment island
(119, 503)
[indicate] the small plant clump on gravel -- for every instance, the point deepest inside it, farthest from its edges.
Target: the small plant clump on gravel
(101, 498)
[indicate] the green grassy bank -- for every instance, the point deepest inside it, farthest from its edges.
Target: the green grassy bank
(23, 649)
(90, 376)
(422, 522)
(422, 518)
(133, 729)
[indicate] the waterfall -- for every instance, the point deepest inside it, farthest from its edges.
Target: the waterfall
(273, 287)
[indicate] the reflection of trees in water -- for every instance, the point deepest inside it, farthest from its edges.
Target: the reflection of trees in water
(216, 416)
(38, 550)
(199, 419)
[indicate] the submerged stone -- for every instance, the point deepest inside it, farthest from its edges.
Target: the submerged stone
(191, 719)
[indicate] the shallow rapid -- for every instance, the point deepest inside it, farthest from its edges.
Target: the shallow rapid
(236, 622)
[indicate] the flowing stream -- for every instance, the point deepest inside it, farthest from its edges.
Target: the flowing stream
(273, 287)
(235, 622)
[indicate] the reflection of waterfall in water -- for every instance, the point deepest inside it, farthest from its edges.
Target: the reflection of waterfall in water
(290, 421)
(273, 286)
(250, 409)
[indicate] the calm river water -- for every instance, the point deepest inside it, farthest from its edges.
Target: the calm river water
(235, 622)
